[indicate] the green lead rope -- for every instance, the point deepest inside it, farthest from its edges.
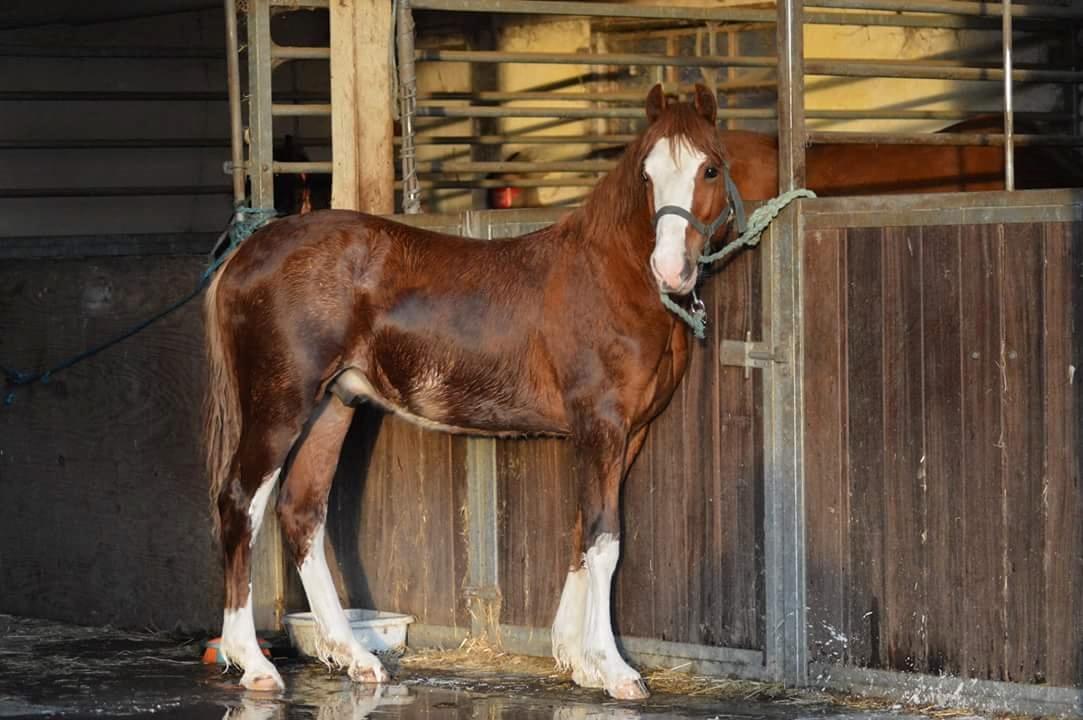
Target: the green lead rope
(757, 223)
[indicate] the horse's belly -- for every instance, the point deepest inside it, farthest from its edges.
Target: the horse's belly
(431, 402)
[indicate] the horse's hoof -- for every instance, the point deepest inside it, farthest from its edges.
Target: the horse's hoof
(262, 683)
(630, 690)
(371, 674)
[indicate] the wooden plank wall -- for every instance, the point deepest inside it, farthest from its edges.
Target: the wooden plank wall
(691, 567)
(103, 499)
(944, 427)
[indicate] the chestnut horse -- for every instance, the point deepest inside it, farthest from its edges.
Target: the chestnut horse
(559, 332)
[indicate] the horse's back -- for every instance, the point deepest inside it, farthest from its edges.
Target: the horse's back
(444, 328)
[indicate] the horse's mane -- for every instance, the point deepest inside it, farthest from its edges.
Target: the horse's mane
(619, 201)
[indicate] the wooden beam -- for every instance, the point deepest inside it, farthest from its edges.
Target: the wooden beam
(361, 121)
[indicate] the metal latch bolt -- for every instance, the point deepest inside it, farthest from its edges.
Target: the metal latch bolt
(748, 354)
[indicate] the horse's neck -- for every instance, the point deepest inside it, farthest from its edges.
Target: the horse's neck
(614, 221)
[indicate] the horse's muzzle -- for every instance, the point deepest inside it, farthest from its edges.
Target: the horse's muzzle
(681, 284)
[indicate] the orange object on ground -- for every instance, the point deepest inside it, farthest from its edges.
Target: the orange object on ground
(212, 656)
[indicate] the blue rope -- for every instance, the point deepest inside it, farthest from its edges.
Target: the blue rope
(244, 222)
(757, 223)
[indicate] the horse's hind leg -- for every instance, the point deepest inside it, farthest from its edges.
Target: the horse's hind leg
(582, 631)
(260, 456)
(302, 508)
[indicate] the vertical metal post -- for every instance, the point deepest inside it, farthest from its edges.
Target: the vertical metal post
(268, 557)
(260, 132)
(233, 77)
(1009, 120)
(411, 190)
(791, 95)
(482, 588)
(786, 644)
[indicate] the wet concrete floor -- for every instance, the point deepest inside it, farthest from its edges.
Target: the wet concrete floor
(54, 670)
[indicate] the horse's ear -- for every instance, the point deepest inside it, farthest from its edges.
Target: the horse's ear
(656, 103)
(706, 103)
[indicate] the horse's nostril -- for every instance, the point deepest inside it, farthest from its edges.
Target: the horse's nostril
(687, 270)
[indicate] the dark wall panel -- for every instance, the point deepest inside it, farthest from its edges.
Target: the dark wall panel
(103, 499)
(943, 445)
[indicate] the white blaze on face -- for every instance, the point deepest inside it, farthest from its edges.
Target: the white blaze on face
(672, 167)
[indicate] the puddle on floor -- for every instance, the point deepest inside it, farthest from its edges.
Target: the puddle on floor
(53, 670)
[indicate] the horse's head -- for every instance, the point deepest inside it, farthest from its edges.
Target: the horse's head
(686, 179)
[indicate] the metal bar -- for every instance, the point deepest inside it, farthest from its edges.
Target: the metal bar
(113, 144)
(617, 59)
(510, 182)
(516, 167)
(107, 96)
(1009, 121)
(301, 4)
(299, 110)
(620, 139)
(407, 89)
(600, 9)
(845, 137)
(233, 79)
(786, 642)
(119, 191)
(114, 52)
(319, 168)
(940, 70)
(482, 548)
(470, 111)
(586, 96)
(955, 7)
(871, 114)
(135, 96)
(740, 15)
(260, 105)
(291, 52)
(483, 511)
(268, 555)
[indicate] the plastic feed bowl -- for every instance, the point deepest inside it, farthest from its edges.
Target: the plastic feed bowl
(376, 631)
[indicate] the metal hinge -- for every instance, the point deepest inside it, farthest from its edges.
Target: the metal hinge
(749, 354)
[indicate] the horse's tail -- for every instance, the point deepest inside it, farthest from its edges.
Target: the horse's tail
(221, 406)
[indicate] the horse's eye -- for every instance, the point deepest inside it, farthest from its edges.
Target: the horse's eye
(711, 172)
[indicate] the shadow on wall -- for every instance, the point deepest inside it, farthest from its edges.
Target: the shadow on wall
(345, 504)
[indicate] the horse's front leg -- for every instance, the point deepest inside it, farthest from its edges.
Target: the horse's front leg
(582, 631)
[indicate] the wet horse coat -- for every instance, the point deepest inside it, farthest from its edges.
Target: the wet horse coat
(559, 332)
